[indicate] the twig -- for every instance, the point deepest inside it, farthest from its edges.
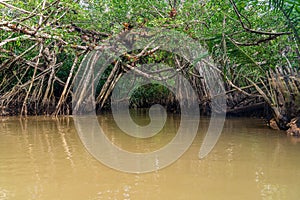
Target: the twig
(251, 30)
(13, 7)
(258, 42)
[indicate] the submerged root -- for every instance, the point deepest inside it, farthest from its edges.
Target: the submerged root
(294, 127)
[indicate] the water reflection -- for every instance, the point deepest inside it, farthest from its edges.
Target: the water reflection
(43, 158)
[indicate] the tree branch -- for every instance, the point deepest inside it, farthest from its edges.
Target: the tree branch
(251, 30)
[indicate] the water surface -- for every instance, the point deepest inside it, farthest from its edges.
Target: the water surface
(43, 158)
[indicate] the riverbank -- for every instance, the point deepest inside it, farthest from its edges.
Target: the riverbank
(259, 110)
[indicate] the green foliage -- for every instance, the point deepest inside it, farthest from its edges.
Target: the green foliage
(215, 24)
(148, 95)
(291, 11)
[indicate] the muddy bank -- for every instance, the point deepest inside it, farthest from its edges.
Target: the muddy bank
(237, 106)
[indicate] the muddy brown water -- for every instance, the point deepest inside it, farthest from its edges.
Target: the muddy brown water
(43, 158)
